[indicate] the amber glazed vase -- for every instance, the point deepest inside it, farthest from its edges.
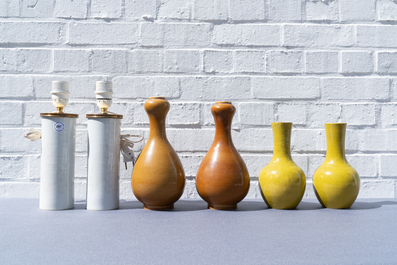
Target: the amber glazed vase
(336, 183)
(222, 178)
(281, 181)
(158, 178)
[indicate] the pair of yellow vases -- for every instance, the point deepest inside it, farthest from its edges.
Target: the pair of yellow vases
(336, 183)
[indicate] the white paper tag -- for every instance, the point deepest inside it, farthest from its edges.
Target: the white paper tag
(59, 126)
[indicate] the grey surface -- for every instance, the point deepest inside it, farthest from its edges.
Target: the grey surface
(192, 234)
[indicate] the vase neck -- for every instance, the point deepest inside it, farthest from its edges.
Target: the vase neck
(335, 133)
(157, 128)
(157, 109)
(223, 114)
(282, 140)
(223, 131)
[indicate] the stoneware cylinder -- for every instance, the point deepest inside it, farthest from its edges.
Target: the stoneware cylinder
(281, 181)
(158, 178)
(103, 161)
(57, 161)
(222, 178)
(336, 183)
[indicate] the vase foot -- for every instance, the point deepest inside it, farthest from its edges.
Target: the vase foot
(158, 207)
(223, 207)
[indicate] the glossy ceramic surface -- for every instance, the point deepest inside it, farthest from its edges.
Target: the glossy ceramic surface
(222, 178)
(282, 182)
(158, 178)
(336, 183)
(57, 163)
(103, 163)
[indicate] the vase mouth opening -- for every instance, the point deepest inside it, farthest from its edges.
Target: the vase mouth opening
(335, 123)
(281, 122)
(156, 97)
(223, 102)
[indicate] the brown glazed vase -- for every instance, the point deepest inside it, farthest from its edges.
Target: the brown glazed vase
(222, 178)
(158, 178)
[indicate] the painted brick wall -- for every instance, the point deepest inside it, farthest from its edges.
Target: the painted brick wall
(305, 61)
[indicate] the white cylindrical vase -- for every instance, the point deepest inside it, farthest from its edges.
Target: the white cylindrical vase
(103, 161)
(57, 161)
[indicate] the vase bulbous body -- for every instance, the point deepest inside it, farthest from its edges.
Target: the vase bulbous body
(222, 178)
(158, 178)
(282, 182)
(336, 183)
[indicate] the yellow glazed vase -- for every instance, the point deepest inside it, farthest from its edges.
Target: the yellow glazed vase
(336, 183)
(282, 182)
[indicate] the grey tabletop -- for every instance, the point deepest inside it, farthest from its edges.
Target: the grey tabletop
(193, 234)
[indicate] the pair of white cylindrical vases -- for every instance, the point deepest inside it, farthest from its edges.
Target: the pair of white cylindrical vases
(58, 159)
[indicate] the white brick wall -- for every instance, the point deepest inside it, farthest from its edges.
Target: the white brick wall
(304, 61)
(387, 10)
(322, 62)
(357, 62)
(320, 10)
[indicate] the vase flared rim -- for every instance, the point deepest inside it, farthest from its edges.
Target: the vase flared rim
(335, 123)
(223, 102)
(156, 97)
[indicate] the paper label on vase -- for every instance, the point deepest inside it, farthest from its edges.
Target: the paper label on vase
(59, 126)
